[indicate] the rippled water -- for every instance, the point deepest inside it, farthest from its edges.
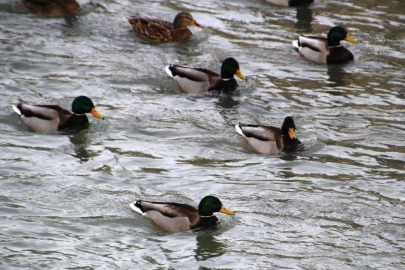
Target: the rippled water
(338, 205)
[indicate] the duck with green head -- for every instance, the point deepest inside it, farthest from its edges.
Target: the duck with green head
(176, 217)
(326, 50)
(271, 140)
(198, 80)
(162, 31)
(43, 118)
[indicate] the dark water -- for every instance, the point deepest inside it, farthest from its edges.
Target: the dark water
(338, 205)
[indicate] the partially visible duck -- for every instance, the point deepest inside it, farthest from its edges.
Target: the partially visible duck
(162, 31)
(289, 3)
(198, 80)
(176, 217)
(43, 118)
(271, 140)
(326, 50)
(51, 7)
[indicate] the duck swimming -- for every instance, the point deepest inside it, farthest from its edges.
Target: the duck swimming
(176, 217)
(326, 50)
(198, 80)
(271, 140)
(162, 31)
(43, 118)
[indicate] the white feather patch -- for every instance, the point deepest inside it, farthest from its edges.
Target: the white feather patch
(295, 44)
(17, 111)
(168, 71)
(239, 130)
(136, 209)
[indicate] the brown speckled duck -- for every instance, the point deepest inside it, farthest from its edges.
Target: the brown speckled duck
(176, 217)
(51, 7)
(271, 140)
(162, 31)
(198, 80)
(43, 118)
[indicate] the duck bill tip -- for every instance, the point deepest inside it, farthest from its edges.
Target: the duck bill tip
(226, 211)
(239, 74)
(291, 134)
(96, 114)
(350, 39)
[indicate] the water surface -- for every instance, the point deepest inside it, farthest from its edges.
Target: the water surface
(338, 205)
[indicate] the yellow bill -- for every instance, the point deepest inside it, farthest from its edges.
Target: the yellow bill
(350, 39)
(226, 211)
(95, 113)
(291, 133)
(240, 75)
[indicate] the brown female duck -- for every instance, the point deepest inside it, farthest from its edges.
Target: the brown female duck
(162, 31)
(51, 7)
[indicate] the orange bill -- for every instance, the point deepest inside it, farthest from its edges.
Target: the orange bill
(194, 23)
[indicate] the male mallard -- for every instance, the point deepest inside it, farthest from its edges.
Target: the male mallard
(271, 140)
(326, 50)
(197, 80)
(42, 118)
(163, 31)
(289, 3)
(176, 217)
(51, 7)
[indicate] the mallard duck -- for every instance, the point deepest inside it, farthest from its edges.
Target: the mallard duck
(326, 50)
(51, 7)
(176, 217)
(271, 140)
(289, 3)
(42, 118)
(163, 31)
(198, 80)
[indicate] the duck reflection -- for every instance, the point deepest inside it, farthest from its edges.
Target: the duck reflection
(208, 247)
(336, 75)
(304, 18)
(226, 101)
(80, 142)
(225, 106)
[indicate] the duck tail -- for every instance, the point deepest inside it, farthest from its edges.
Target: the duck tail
(170, 70)
(239, 129)
(17, 109)
(296, 44)
(137, 207)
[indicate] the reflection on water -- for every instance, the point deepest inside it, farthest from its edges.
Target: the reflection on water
(226, 100)
(208, 247)
(80, 142)
(337, 205)
(336, 75)
(304, 19)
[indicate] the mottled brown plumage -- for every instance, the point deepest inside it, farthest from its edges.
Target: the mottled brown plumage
(163, 31)
(52, 7)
